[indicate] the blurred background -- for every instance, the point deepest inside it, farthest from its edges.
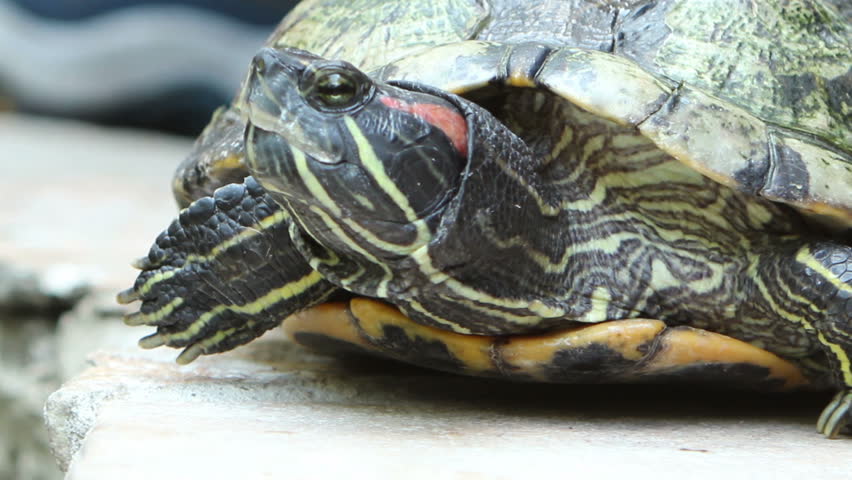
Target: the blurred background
(99, 101)
(162, 64)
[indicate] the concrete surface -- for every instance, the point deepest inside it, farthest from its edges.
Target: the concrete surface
(92, 199)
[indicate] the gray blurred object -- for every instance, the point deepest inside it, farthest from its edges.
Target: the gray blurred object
(159, 65)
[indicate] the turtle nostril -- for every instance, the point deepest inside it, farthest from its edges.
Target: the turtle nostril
(263, 61)
(259, 65)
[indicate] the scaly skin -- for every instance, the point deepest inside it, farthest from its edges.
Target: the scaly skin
(223, 273)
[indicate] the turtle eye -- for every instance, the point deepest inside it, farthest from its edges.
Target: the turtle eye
(335, 88)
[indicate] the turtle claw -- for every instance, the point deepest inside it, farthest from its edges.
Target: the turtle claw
(135, 319)
(836, 415)
(190, 353)
(127, 296)
(143, 263)
(152, 341)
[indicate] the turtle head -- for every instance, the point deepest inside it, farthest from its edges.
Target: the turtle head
(302, 97)
(348, 154)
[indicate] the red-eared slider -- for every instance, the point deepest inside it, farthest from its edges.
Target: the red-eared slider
(648, 192)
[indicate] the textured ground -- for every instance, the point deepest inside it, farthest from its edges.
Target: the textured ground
(80, 202)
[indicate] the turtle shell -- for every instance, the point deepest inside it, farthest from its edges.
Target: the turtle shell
(716, 137)
(618, 351)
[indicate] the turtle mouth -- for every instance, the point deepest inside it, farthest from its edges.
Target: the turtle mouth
(270, 100)
(263, 97)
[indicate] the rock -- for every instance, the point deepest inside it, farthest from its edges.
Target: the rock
(57, 288)
(68, 282)
(29, 366)
(70, 414)
(19, 289)
(94, 324)
(27, 376)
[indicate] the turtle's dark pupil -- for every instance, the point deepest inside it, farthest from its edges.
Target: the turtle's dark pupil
(336, 90)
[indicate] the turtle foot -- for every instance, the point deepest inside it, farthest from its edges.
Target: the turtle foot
(837, 415)
(223, 273)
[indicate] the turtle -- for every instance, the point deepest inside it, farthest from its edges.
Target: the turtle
(567, 192)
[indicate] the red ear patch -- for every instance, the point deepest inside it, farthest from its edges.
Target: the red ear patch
(448, 120)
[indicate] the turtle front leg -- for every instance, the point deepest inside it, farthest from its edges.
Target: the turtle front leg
(223, 273)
